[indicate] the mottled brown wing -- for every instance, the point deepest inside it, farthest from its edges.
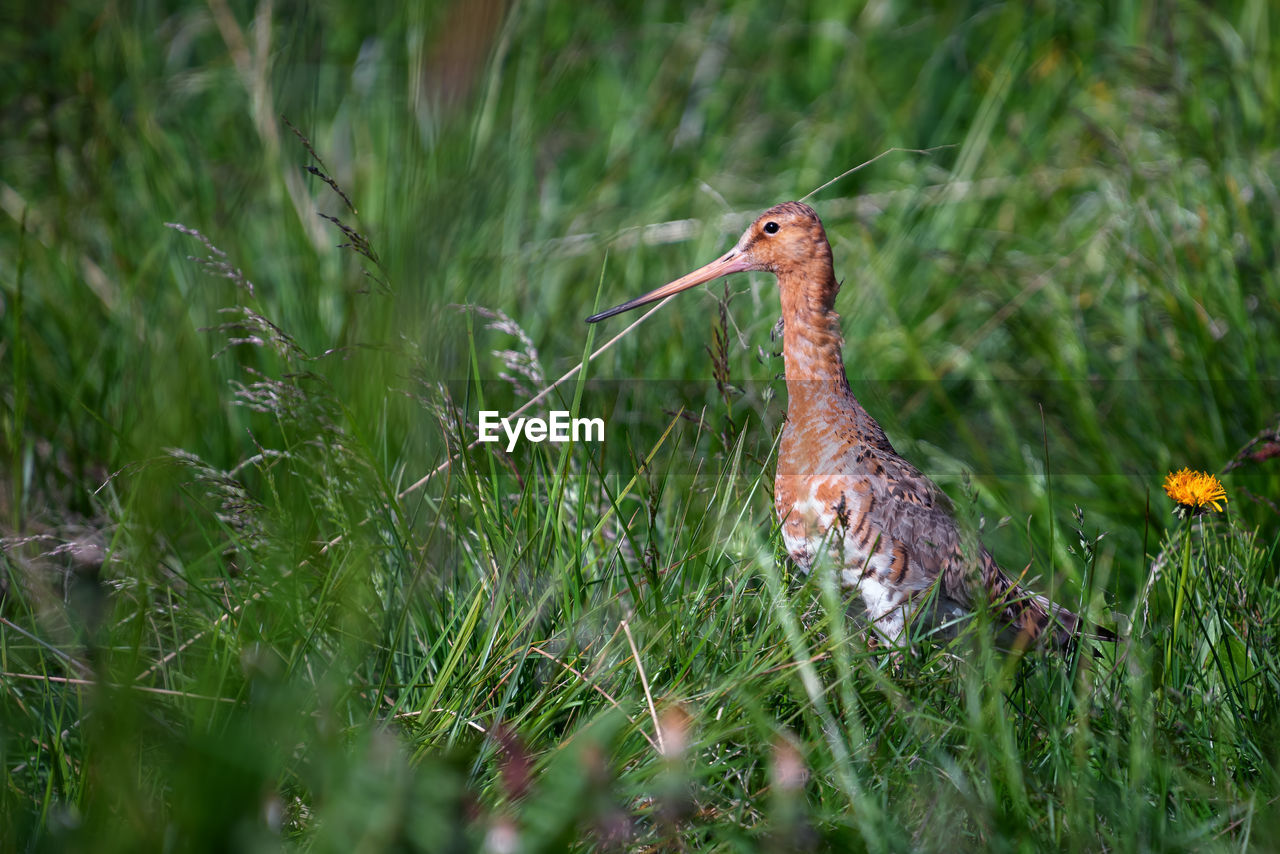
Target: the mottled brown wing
(912, 511)
(918, 514)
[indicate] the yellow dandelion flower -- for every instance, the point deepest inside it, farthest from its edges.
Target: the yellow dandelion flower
(1195, 492)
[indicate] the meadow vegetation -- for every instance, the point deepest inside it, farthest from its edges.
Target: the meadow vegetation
(261, 267)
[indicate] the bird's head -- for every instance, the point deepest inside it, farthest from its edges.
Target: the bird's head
(787, 240)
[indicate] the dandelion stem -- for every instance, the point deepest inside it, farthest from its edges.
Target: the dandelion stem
(1180, 596)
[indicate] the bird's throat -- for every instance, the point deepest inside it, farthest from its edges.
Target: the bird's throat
(812, 346)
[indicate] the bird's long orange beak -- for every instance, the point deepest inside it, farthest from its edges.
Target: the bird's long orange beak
(733, 261)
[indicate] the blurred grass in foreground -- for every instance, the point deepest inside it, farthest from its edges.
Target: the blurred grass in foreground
(227, 624)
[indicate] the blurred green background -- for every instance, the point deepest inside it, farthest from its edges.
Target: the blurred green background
(206, 450)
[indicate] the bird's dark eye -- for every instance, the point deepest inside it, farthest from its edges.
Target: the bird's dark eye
(770, 227)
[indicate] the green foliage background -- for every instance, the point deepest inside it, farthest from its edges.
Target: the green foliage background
(227, 619)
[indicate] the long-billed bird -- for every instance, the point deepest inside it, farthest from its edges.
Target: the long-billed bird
(840, 486)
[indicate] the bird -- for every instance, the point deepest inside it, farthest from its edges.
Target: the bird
(841, 491)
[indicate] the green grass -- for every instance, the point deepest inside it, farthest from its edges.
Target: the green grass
(227, 621)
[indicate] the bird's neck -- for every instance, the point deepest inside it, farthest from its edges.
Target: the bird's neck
(812, 343)
(820, 404)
